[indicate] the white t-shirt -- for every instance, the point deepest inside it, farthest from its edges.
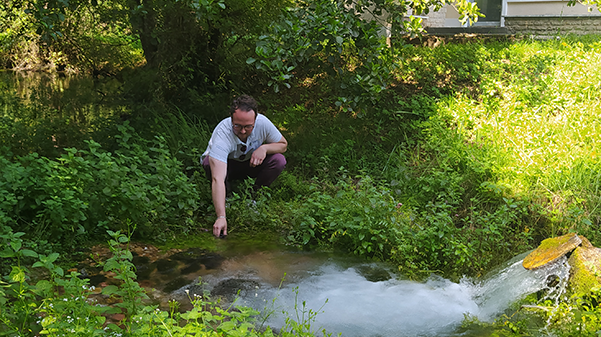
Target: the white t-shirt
(224, 144)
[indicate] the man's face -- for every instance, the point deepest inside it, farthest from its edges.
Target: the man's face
(243, 123)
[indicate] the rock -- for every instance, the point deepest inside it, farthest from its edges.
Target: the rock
(211, 260)
(166, 266)
(585, 264)
(229, 288)
(374, 273)
(191, 268)
(175, 284)
(551, 249)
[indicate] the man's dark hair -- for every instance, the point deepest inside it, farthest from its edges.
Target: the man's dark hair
(244, 103)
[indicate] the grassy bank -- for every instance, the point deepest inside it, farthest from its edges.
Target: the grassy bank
(475, 153)
(480, 151)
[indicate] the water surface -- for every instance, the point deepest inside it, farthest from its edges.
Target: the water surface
(355, 297)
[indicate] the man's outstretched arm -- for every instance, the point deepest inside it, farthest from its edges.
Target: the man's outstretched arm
(218, 173)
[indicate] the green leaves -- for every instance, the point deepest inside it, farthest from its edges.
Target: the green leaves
(70, 196)
(17, 275)
(361, 219)
(469, 11)
(16, 245)
(29, 253)
(325, 36)
(110, 290)
(47, 262)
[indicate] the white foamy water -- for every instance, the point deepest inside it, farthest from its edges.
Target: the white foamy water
(346, 302)
(509, 284)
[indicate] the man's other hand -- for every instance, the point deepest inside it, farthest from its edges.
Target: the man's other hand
(258, 156)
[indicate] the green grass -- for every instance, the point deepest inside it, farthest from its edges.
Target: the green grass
(497, 141)
(538, 122)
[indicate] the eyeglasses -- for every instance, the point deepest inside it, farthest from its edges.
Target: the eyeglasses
(239, 127)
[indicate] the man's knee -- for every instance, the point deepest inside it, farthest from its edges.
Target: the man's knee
(278, 162)
(271, 168)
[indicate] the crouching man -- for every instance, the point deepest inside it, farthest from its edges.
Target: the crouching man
(246, 144)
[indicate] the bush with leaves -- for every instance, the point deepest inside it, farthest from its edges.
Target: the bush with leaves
(86, 191)
(360, 218)
(365, 218)
(326, 38)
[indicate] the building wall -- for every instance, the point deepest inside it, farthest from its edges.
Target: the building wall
(548, 8)
(536, 17)
(551, 17)
(549, 26)
(436, 19)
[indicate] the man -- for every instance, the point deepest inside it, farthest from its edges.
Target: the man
(246, 144)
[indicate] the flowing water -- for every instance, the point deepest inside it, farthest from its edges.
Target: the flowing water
(358, 298)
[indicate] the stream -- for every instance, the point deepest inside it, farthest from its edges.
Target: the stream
(340, 294)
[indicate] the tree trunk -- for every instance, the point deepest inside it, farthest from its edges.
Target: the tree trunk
(143, 21)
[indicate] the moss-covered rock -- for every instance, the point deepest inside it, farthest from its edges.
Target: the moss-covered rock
(585, 272)
(584, 261)
(551, 249)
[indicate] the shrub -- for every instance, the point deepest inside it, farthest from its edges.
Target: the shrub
(86, 191)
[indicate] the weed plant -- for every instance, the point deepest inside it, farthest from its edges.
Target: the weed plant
(489, 143)
(535, 129)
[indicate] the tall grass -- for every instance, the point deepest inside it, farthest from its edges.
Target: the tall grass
(538, 120)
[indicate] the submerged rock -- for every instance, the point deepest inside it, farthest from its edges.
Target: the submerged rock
(230, 288)
(175, 284)
(374, 273)
(551, 249)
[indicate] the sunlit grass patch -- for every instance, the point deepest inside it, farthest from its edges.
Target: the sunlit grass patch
(540, 123)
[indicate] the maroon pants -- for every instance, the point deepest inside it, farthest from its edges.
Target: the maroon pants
(264, 174)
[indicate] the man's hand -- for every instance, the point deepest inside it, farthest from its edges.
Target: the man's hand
(258, 156)
(219, 227)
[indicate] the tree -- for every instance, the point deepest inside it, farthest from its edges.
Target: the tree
(342, 39)
(191, 43)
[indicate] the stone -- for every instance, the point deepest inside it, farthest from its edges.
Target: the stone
(551, 249)
(585, 272)
(229, 288)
